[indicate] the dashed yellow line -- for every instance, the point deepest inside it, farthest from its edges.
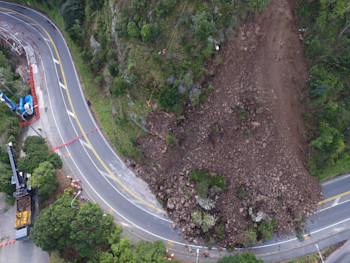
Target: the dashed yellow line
(80, 127)
(333, 197)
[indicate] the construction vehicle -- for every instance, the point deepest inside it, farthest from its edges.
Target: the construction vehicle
(24, 199)
(24, 109)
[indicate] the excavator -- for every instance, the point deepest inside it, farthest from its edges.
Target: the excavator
(25, 107)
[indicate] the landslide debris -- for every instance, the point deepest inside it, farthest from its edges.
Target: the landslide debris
(249, 130)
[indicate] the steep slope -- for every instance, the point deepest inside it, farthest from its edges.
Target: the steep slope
(249, 130)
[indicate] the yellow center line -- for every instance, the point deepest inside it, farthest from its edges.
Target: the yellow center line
(333, 197)
(80, 127)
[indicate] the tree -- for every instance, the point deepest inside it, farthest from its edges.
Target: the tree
(5, 179)
(34, 144)
(31, 161)
(92, 227)
(43, 178)
(52, 227)
(72, 12)
(240, 258)
(55, 160)
(203, 25)
(149, 32)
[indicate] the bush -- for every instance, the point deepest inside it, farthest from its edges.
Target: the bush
(205, 181)
(169, 98)
(120, 86)
(171, 139)
(203, 25)
(205, 221)
(133, 30)
(240, 258)
(72, 11)
(251, 237)
(113, 69)
(149, 32)
(265, 229)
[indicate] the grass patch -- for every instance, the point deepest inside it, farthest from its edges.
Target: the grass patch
(171, 139)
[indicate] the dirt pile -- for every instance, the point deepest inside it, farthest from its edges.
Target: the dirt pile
(248, 130)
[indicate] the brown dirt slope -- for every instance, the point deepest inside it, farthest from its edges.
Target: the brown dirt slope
(264, 73)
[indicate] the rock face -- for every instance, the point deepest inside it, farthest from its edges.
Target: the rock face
(248, 130)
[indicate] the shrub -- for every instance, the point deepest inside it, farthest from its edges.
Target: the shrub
(203, 25)
(251, 237)
(72, 11)
(240, 258)
(205, 181)
(113, 69)
(171, 139)
(205, 221)
(120, 86)
(149, 32)
(241, 192)
(133, 30)
(169, 98)
(265, 229)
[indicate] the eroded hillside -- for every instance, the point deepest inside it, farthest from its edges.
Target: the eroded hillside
(249, 130)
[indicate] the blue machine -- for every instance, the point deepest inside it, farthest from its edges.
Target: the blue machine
(24, 108)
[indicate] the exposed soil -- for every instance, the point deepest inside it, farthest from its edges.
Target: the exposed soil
(264, 73)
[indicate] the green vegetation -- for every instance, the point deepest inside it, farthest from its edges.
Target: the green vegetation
(241, 194)
(205, 220)
(207, 181)
(327, 39)
(43, 178)
(171, 139)
(90, 235)
(259, 232)
(240, 258)
(37, 152)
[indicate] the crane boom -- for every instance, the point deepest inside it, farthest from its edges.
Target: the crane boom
(9, 103)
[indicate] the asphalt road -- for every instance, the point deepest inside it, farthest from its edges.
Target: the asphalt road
(65, 115)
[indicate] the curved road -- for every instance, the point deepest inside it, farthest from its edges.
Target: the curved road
(65, 115)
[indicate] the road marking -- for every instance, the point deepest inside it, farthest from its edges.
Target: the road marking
(336, 201)
(332, 198)
(56, 61)
(319, 211)
(70, 113)
(47, 40)
(84, 143)
(62, 85)
(87, 139)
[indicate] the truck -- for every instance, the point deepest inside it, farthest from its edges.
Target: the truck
(24, 199)
(24, 109)
(23, 217)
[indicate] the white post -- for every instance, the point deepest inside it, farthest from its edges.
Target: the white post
(71, 204)
(319, 252)
(197, 255)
